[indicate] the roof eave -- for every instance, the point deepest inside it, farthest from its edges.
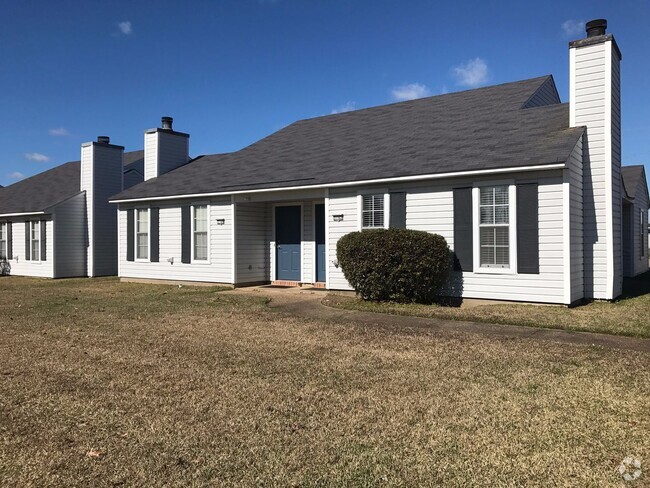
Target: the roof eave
(343, 184)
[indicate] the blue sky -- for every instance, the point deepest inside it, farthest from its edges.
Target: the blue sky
(231, 72)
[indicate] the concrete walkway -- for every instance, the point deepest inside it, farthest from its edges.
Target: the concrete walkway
(309, 304)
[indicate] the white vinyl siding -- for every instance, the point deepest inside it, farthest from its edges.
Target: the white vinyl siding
(643, 234)
(142, 233)
(164, 152)
(430, 208)
(200, 242)
(217, 270)
(70, 235)
(595, 103)
(253, 224)
(576, 242)
(23, 267)
(341, 202)
(101, 178)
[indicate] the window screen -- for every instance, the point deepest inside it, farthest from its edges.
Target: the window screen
(373, 211)
(494, 226)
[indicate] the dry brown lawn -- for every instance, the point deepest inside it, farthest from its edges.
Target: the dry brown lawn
(628, 316)
(110, 384)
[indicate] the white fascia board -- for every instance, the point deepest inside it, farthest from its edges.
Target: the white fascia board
(24, 214)
(397, 179)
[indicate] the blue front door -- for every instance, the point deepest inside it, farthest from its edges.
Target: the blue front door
(320, 243)
(287, 243)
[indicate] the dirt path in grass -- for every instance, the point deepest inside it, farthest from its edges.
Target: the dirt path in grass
(312, 304)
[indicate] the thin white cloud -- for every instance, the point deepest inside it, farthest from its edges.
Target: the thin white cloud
(346, 107)
(59, 132)
(572, 28)
(125, 27)
(38, 157)
(409, 91)
(473, 73)
(16, 175)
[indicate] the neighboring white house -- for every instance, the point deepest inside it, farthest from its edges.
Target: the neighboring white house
(59, 223)
(526, 190)
(635, 221)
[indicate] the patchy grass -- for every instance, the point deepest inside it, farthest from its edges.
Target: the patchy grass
(110, 384)
(628, 316)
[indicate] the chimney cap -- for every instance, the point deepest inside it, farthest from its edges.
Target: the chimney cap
(596, 27)
(103, 139)
(167, 122)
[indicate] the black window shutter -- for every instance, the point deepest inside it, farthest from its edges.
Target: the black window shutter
(28, 247)
(154, 223)
(130, 230)
(43, 240)
(463, 230)
(186, 238)
(10, 240)
(527, 229)
(397, 210)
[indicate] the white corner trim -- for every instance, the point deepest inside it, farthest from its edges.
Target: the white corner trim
(398, 179)
(609, 208)
(566, 231)
(327, 237)
(572, 87)
(233, 242)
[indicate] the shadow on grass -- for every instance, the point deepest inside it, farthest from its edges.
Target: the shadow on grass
(636, 286)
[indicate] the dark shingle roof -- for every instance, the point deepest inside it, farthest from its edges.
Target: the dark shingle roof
(477, 129)
(46, 189)
(134, 161)
(633, 176)
(41, 191)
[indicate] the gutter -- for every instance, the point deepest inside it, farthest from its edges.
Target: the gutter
(397, 179)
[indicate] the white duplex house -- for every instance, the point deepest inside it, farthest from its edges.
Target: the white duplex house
(529, 192)
(58, 223)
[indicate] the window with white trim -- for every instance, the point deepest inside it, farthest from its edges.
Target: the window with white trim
(200, 232)
(142, 233)
(372, 211)
(3, 240)
(494, 227)
(35, 240)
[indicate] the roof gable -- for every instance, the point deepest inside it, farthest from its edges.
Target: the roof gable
(634, 179)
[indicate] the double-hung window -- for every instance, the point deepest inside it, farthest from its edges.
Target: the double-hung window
(142, 233)
(3, 240)
(494, 227)
(35, 240)
(372, 211)
(200, 232)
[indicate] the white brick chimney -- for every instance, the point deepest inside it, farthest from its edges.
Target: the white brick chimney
(595, 102)
(101, 178)
(164, 149)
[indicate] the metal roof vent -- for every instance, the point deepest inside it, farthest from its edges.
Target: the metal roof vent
(167, 123)
(596, 27)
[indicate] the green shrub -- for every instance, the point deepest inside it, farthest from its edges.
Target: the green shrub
(399, 265)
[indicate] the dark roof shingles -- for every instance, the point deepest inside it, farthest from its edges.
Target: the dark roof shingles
(473, 130)
(45, 190)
